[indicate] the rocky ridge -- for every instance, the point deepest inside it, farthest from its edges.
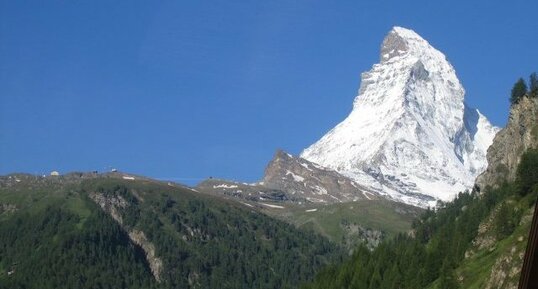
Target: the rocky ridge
(520, 134)
(295, 180)
(300, 177)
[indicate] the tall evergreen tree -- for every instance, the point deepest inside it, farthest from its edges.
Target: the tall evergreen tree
(447, 280)
(533, 85)
(527, 171)
(518, 91)
(504, 224)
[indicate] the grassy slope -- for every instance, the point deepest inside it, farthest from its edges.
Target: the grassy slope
(386, 216)
(32, 197)
(476, 270)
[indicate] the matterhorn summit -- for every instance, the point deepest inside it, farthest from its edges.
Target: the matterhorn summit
(410, 136)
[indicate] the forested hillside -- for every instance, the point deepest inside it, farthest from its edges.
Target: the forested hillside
(476, 241)
(114, 233)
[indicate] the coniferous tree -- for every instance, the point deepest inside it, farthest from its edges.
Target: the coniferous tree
(533, 85)
(518, 91)
(504, 224)
(447, 280)
(527, 171)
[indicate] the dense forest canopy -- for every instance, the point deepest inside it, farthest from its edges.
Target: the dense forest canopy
(62, 239)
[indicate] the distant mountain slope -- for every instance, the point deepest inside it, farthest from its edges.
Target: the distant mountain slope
(410, 135)
(124, 231)
(310, 196)
(289, 178)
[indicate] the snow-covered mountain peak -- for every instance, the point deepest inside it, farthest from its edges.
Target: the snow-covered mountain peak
(409, 64)
(398, 42)
(409, 134)
(402, 41)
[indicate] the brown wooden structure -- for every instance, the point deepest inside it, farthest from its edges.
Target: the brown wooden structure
(529, 271)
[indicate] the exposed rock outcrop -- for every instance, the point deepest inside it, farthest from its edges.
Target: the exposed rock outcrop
(301, 178)
(506, 271)
(110, 205)
(7, 208)
(520, 134)
(113, 204)
(356, 234)
(155, 263)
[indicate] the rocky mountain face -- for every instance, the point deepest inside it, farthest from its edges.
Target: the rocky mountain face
(520, 134)
(410, 135)
(299, 177)
(309, 196)
(293, 179)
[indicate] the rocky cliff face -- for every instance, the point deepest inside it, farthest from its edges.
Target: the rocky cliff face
(155, 263)
(520, 134)
(304, 179)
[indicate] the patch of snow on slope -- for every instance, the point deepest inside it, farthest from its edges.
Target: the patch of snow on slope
(295, 177)
(272, 206)
(224, 186)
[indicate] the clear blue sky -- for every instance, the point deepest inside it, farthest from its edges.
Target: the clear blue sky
(189, 89)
